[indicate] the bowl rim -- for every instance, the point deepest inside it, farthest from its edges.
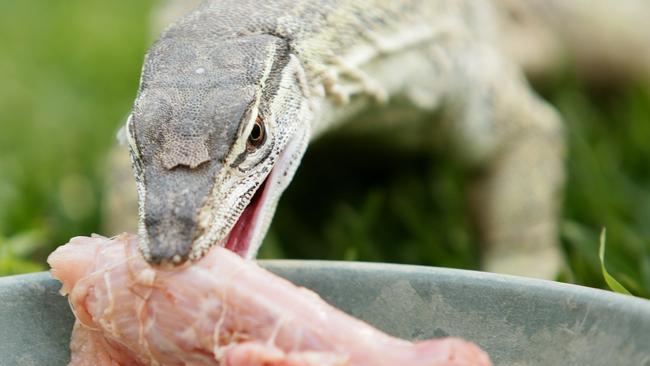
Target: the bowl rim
(495, 281)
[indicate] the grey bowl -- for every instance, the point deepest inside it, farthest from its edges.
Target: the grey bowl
(517, 321)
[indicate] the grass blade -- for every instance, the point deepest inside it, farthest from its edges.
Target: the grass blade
(611, 281)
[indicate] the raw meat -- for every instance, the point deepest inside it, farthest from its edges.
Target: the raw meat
(221, 310)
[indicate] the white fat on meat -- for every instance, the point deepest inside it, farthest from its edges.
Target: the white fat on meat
(220, 310)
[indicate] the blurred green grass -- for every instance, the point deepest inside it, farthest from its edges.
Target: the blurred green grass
(69, 72)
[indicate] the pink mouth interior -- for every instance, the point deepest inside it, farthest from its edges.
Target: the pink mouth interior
(240, 236)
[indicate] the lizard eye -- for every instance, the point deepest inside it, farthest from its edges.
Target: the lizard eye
(257, 135)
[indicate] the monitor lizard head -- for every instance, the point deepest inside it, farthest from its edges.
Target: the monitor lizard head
(216, 133)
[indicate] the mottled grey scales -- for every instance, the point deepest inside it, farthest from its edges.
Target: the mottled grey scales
(302, 68)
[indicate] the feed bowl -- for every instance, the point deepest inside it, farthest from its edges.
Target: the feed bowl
(517, 321)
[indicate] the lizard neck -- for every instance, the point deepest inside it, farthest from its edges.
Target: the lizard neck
(368, 52)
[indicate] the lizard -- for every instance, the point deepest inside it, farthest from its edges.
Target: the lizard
(231, 95)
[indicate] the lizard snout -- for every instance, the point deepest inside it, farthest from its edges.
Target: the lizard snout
(170, 221)
(169, 240)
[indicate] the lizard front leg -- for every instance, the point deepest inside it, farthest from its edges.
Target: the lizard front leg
(517, 141)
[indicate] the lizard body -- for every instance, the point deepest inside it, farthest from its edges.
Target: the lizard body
(232, 93)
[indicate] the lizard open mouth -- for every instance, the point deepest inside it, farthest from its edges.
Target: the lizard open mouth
(241, 235)
(246, 235)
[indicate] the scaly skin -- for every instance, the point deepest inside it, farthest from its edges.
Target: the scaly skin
(455, 62)
(301, 68)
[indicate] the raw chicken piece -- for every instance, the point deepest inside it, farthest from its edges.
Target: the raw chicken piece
(221, 310)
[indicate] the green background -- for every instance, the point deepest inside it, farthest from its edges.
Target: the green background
(69, 72)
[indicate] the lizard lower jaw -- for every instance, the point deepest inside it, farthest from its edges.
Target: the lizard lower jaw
(240, 236)
(246, 235)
